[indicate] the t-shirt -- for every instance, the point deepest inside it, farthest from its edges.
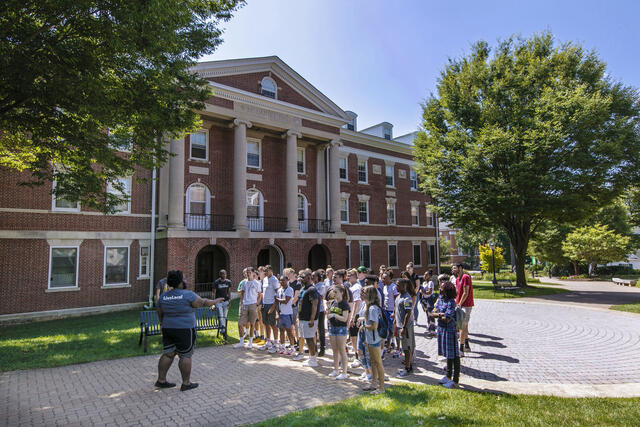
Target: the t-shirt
(371, 336)
(464, 281)
(307, 296)
(241, 284)
(177, 310)
(222, 288)
(269, 287)
(296, 287)
(162, 285)
(328, 294)
(390, 294)
(355, 291)
(404, 306)
(338, 308)
(322, 288)
(251, 290)
(282, 294)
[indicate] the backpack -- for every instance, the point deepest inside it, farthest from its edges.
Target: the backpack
(460, 316)
(383, 326)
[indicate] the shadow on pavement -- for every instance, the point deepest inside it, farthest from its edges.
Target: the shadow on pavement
(606, 298)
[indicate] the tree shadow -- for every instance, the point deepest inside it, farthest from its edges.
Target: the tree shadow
(605, 298)
(488, 343)
(500, 357)
(489, 337)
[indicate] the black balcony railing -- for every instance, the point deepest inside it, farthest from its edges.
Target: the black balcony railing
(315, 225)
(208, 222)
(204, 290)
(266, 223)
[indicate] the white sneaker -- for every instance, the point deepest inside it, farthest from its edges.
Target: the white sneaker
(444, 380)
(263, 347)
(273, 349)
(239, 345)
(299, 356)
(312, 362)
(356, 364)
(363, 377)
(450, 384)
(249, 345)
(342, 376)
(334, 373)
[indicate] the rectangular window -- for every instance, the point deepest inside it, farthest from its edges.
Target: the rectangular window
(415, 219)
(387, 134)
(347, 261)
(300, 160)
(343, 169)
(389, 175)
(429, 218)
(432, 254)
(413, 180)
(362, 171)
(144, 261)
(365, 255)
(198, 141)
(363, 212)
(417, 255)
(125, 183)
(391, 213)
(253, 154)
(60, 204)
(344, 210)
(116, 265)
(393, 255)
(63, 267)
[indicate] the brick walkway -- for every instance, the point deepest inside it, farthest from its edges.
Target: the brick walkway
(523, 347)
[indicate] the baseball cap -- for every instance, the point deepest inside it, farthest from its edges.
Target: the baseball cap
(362, 269)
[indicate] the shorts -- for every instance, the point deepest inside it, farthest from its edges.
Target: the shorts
(182, 341)
(337, 331)
(286, 321)
(467, 314)
(407, 339)
(308, 332)
(268, 319)
(353, 331)
(248, 314)
(388, 314)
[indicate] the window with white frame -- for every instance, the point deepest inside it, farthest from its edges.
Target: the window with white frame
(199, 146)
(301, 165)
(302, 207)
(387, 133)
(347, 261)
(362, 171)
(432, 254)
(123, 191)
(389, 179)
(391, 212)
(116, 265)
(363, 211)
(415, 216)
(413, 180)
(59, 203)
(344, 210)
(253, 153)
(144, 261)
(392, 249)
(344, 176)
(429, 218)
(254, 203)
(365, 254)
(268, 88)
(417, 254)
(63, 267)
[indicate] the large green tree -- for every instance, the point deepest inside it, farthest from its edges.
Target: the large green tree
(81, 78)
(596, 244)
(530, 132)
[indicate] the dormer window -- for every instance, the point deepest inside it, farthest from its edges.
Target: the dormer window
(387, 133)
(268, 87)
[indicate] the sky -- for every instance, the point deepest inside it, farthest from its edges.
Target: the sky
(382, 59)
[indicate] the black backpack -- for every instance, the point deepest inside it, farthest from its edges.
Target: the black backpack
(383, 325)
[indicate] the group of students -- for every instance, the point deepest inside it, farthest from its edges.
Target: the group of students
(371, 316)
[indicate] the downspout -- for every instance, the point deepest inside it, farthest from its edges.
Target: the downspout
(152, 249)
(326, 183)
(438, 243)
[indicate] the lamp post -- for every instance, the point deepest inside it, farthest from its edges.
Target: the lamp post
(493, 256)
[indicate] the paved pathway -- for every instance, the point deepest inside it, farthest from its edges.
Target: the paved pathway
(590, 293)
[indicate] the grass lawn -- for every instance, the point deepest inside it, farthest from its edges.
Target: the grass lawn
(87, 339)
(484, 290)
(423, 405)
(631, 308)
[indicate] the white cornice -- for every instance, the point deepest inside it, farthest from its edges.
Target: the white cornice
(363, 154)
(375, 141)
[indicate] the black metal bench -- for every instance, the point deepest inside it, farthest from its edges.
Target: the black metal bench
(206, 319)
(506, 286)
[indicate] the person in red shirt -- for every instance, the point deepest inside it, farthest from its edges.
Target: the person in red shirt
(464, 299)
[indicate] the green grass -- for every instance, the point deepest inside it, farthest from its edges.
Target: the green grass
(484, 290)
(87, 339)
(422, 405)
(631, 308)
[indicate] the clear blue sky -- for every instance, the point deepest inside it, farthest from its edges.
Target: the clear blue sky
(381, 59)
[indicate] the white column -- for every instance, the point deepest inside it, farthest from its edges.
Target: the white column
(334, 184)
(163, 193)
(176, 184)
(292, 180)
(240, 174)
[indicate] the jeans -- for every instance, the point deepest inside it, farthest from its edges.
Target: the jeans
(223, 310)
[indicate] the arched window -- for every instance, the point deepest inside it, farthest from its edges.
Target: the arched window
(303, 213)
(198, 207)
(268, 88)
(255, 213)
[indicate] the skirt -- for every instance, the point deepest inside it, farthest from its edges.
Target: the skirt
(448, 343)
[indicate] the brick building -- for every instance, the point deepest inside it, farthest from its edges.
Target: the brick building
(458, 255)
(278, 174)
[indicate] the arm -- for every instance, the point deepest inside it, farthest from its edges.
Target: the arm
(465, 294)
(356, 309)
(314, 309)
(296, 294)
(343, 318)
(259, 298)
(199, 302)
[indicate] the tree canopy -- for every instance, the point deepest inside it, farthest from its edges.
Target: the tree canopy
(487, 256)
(596, 244)
(529, 132)
(83, 80)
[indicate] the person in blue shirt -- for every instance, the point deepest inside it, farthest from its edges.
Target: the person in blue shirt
(178, 321)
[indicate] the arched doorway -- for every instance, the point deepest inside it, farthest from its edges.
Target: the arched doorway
(319, 257)
(271, 255)
(209, 261)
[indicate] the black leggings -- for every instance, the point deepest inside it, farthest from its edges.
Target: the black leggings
(321, 330)
(455, 365)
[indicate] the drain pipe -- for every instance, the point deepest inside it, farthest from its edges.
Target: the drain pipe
(152, 249)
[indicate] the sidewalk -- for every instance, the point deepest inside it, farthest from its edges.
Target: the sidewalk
(595, 294)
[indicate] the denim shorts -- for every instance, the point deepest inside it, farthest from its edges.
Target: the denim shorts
(286, 320)
(338, 331)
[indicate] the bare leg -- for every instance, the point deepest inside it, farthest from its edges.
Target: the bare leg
(290, 335)
(311, 345)
(185, 369)
(376, 366)
(163, 366)
(333, 342)
(342, 350)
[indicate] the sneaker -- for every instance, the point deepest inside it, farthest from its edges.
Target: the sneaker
(444, 380)
(369, 377)
(356, 364)
(239, 345)
(321, 353)
(166, 384)
(450, 384)
(283, 350)
(384, 352)
(273, 349)
(461, 353)
(298, 356)
(466, 346)
(363, 377)
(249, 345)
(402, 373)
(190, 386)
(263, 347)
(342, 376)
(312, 362)
(334, 373)
(290, 351)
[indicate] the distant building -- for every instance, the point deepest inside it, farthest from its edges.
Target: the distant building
(457, 254)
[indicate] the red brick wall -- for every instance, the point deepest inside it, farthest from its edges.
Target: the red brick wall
(320, 126)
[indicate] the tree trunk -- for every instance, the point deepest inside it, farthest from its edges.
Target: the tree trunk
(519, 236)
(575, 267)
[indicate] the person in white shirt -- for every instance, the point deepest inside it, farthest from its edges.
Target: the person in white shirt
(251, 296)
(284, 298)
(270, 286)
